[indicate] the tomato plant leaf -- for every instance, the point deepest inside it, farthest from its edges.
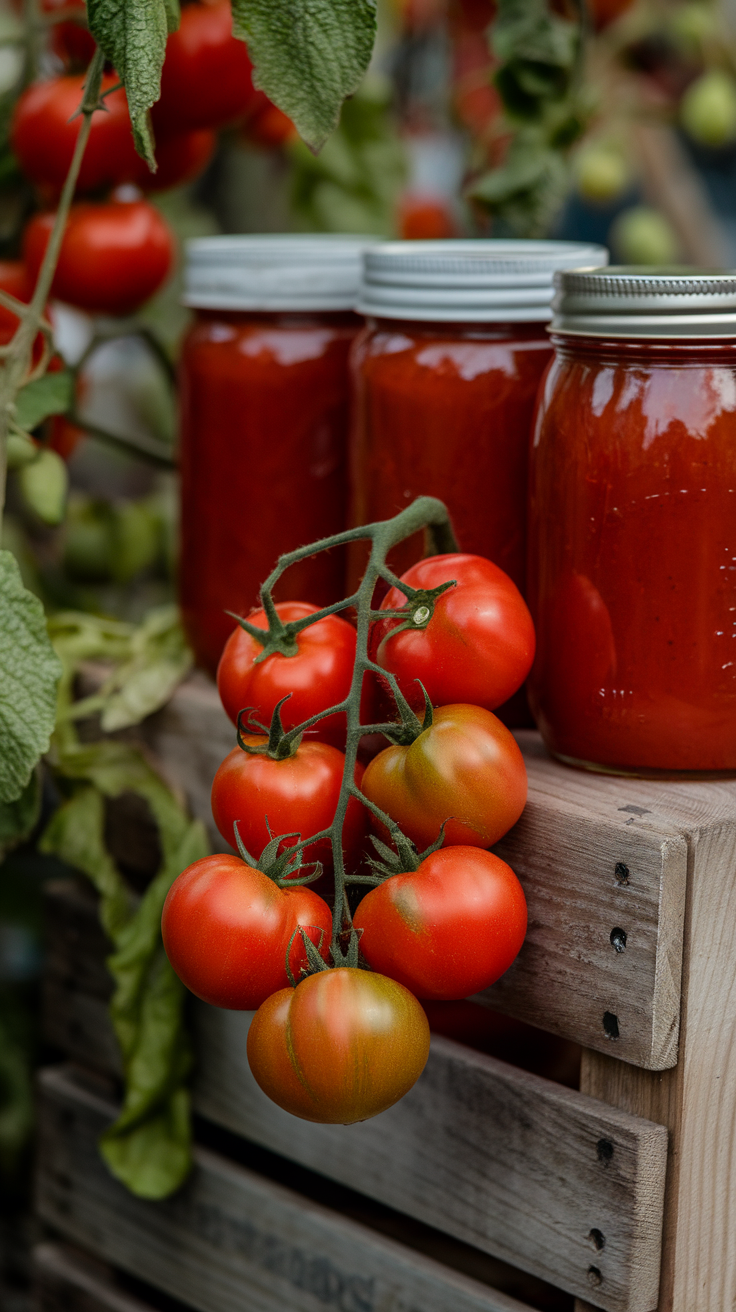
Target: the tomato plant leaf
(308, 55)
(132, 34)
(29, 673)
(18, 818)
(51, 395)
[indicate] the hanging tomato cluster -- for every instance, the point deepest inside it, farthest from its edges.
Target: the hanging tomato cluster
(117, 249)
(339, 1033)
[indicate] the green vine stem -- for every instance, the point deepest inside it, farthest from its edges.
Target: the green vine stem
(425, 513)
(16, 357)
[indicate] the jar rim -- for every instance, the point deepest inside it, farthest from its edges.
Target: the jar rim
(274, 271)
(642, 302)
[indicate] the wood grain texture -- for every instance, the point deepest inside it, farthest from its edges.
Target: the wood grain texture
(497, 1157)
(65, 1280)
(230, 1240)
(697, 1100)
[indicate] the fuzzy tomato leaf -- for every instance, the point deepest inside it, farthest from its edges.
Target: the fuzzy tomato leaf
(51, 395)
(132, 35)
(308, 55)
(29, 673)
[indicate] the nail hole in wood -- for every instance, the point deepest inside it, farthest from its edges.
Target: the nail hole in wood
(597, 1239)
(618, 939)
(610, 1024)
(604, 1148)
(621, 871)
(594, 1276)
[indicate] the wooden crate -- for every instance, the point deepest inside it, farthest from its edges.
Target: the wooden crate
(626, 880)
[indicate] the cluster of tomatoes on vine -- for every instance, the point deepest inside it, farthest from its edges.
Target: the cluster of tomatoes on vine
(117, 248)
(339, 1033)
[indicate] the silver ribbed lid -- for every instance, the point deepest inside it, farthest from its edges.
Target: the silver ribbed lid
(477, 281)
(638, 301)
(274, 272)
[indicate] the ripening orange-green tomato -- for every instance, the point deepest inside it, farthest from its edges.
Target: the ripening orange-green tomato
(342, 1046)
(466, 769)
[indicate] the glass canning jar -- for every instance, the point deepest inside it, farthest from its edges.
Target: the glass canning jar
(632, 555)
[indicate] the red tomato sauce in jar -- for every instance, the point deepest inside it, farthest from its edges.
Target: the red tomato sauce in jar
(263, 426)
(632, 576)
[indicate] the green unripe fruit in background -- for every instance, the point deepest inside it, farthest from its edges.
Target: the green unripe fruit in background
(602, 173)
(43, 486)
(643, 236)
(708, 109)
(136, 538)
(88, 541)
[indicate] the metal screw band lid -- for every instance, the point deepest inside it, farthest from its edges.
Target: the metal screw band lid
(274, 272)
(474, 281)
(637, 301)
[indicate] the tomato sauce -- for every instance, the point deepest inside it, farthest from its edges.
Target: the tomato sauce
(633, 553)
(263, 433)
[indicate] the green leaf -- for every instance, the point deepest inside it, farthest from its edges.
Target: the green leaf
(18, 819)
(51, 395)
(308, 55)
(43, 485)
(29, 673)
(132, 34)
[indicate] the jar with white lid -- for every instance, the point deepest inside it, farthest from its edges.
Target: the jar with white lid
(445, 377)
(632, 549)
(264, 419)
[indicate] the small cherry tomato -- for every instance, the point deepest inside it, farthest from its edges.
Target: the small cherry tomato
(227, 927)
(465, 769)
(46, 125)
(318, 676)
(113, 257)
(478, 647)
(206, 78)
(297, 795)
(340, 1047)
(448, 929)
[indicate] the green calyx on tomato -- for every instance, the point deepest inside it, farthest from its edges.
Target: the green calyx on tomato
(419, 608)
(278, 745)
(280, 866)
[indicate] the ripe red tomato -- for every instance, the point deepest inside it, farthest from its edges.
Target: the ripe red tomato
(15, 280)
(448, 929)
(340, 1047)
(267, 125)
(297, 795)
(180, 156)
(425, 218)
(206, 78)
(71, 40)
(466, 769)
(317, 677)
(113, 257)
(44, 133)
(226, 930)
(478, 646)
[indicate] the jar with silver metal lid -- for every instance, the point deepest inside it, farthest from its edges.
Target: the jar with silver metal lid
(632, 534)
(444, 378)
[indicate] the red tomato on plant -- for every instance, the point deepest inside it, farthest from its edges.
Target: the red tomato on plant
(113, 257)
(340, 1047)
(227, 927)
(317, 677)
(71, 40)
(478, 647)
(180, 156)
(15, 280)
(297, 795)
(448, 929)
(466, 769)
(206, 79)
(44, 133)
(267, 125)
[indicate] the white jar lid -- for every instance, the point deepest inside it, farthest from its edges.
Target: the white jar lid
(318, 271)
(636, 301)
(473, 281)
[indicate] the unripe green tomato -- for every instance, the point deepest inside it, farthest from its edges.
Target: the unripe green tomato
(602, 173)
(644, 236)
(89, 541)
(137, 540)
(43, 486)
(708, 109)
(693, 24)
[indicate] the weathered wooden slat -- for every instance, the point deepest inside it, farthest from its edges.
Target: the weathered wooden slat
(500, 1159)
(575, 976)
(65, 1280)
(230, 1240)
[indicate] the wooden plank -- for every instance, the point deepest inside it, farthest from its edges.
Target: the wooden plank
(697, 1100)
(65, 1280)
(516, 1165)
(230, 1240)
(566, 850)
